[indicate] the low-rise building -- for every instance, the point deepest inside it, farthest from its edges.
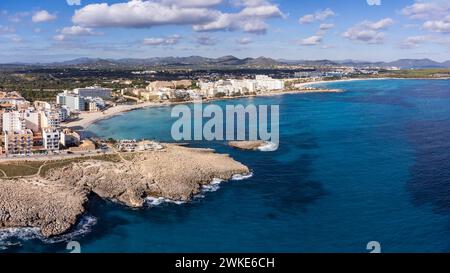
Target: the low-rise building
(182, 84)
(156, 85)
(42, 105)
(14, 100)
(69, 138)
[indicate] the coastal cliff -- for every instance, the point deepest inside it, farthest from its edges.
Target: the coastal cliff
(54, 202)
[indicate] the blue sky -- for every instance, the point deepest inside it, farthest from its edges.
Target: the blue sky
(55, 30)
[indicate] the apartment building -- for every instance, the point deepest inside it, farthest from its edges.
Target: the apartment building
(50, 119)
(72, 101)
(267, 83)
(93, 91)
(51, 139)
(13, 121)
(19, 142)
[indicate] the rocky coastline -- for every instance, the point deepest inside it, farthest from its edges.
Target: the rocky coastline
(54, 202)
(247, 145)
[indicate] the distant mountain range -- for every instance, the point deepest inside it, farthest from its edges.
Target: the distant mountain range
(226, 61)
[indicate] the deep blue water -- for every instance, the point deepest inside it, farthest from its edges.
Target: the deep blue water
(370, 164)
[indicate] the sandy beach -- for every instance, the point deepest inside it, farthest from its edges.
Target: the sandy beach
(85, 119)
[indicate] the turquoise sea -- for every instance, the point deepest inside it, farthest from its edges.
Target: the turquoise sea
(369, 164)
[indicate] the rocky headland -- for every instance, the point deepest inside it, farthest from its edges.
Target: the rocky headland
(247, 145)
(55, 201)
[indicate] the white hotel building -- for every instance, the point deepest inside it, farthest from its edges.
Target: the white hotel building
(93, 92)
(267, 83)
(233, 86)
(13, 121)
(72, 101)
(51, 138)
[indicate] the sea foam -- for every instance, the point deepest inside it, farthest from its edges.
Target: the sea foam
(14, 236)
(238, 177)
(156, 201)
(268, 147)
(211, 187)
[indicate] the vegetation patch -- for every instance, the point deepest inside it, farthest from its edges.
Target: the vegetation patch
(28, 168)
(20, 168)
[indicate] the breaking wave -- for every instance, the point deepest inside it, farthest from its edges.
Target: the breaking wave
(211, 187)
(238, 177)
(268, 147)
(10, 237)
(156, 201)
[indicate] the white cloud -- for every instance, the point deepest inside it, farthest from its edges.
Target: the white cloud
(426, 10)
(73, 31)
(244, 41)
(368, 31)
(264, 11)
(436, 14)
(255, 27)
(198, 13)
(442, 25)
(222, 22)
(326, 26)
(141, 14)
(381, 24)
(311, 41)
(250, 3)
(437, 26)
(166, 41)
(365, 35)
(43, 16)
(250, 19)
(414, 41)
(77, 31)
(320, 15)
(192, 3)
